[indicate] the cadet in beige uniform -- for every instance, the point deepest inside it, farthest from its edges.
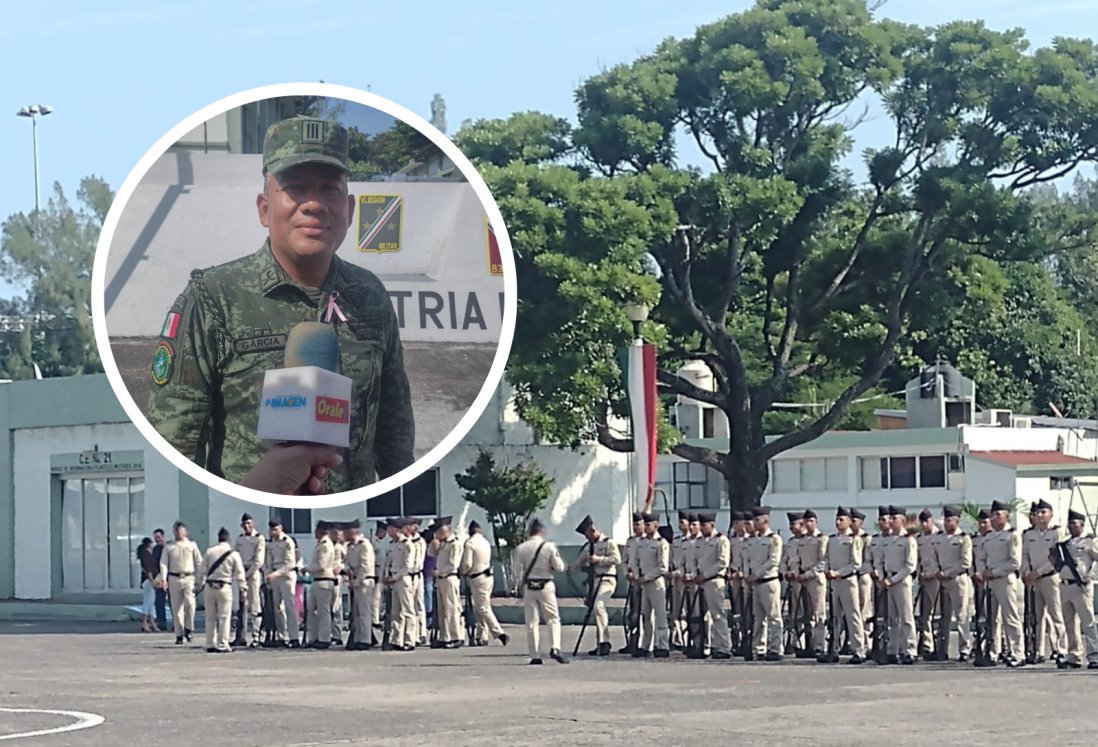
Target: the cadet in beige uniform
(418, 547)
(764, 553)
(811, 554)
(985, 600)
(711, 561)
(1038, 572)
(361, 572)
(1078, 598)
(380, 544)
(844, 557)
(448, 554)
(339, 551)
(539, 560)
(738, 547)
(222, 565)
(953, 552)
(252, 548)
(400, 562)
(930, 585)
(476, 566)
(865, 573)
(678, 586)
(282, 578)
(1003, 554)
(898, 566)
(633, 588)
(318, 610)
(790, 571)
(651, 560)
(179, 563)
(601, 558)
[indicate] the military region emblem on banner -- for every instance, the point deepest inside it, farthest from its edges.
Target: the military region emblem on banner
(379, 222)
(495, 263)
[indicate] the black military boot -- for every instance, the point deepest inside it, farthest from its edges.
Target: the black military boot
(557, 656)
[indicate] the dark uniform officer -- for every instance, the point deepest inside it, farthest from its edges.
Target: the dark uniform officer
(231, 323)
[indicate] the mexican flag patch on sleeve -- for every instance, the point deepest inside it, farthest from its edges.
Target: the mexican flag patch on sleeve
(171, 325)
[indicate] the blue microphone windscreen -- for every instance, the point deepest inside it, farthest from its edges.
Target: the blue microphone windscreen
(312, 344)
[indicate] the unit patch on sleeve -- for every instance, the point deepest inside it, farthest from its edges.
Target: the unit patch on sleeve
(162, 364)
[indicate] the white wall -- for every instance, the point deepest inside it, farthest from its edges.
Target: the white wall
(1011, 439)
(589, 480)
(986, 482)
(33, 481)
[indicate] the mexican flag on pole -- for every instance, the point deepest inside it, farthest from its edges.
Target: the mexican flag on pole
(640, 380)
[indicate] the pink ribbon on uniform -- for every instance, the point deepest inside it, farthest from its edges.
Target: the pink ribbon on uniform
(333, 308)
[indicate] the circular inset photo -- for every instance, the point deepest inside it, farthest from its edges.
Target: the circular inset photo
(304, 295)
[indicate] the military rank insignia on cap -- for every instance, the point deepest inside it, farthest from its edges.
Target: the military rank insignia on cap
(292, 142)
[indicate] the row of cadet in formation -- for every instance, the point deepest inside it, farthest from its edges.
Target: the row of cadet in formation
(382, 578)
(889, 597)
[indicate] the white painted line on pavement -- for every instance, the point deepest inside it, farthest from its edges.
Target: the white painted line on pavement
(83, 721)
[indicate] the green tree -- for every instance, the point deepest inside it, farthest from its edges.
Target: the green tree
(387, 152)
(775, 267)
(52, 251)
(510, 496)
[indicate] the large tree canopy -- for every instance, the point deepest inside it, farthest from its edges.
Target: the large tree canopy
(773, 265)
(51, 250)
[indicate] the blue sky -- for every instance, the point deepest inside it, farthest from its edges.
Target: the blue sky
(121, 73)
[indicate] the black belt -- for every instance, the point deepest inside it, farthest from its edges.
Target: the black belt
(416, 574)
(1070, 582)
(766, 580)
(180, 575)
(1046, 575)
(322, 578)
(485, 572)
(217, 584)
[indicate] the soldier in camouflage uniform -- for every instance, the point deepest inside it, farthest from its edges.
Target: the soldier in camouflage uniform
(231, 323)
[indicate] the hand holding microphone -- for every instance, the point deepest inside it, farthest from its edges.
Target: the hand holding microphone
(306, 407)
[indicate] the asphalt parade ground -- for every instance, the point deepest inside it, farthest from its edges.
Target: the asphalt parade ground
(100, 684)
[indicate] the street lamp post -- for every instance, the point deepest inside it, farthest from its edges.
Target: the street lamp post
(33, 112)
(637, 314)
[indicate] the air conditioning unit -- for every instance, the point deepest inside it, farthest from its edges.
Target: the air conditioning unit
(1021, 422)
(1000, 418)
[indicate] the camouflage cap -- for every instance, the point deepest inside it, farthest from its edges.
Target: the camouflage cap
(298, 140)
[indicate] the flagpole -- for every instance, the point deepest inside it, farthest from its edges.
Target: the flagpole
(640, 468)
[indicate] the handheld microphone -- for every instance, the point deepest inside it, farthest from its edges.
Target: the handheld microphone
(307, 400)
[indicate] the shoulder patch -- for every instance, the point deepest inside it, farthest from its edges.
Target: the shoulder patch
(162, 363)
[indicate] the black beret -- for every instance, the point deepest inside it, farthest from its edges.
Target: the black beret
(1075, 516)
(536, 526)
(840, 511)
(707, 518)
(999, 506)
(473, 525)
(382, 525)
(882, 511)
(984, 514)
(692, 517)
(684, 516)
(760, 511)
(246, 517)
(950, 512)
(739, 516)
(666, 532)
(1043, 505)
(809, 514)
(896, 511)
(794, 516)
(443, 521)
(585, 524)
(276, 521)
(925, 515)
(637, 516)
(856, 514)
